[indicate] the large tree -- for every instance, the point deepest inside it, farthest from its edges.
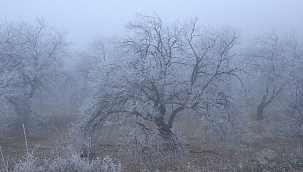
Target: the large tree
(32, 55)
(289, 114)
(156, 72)
(273, 61)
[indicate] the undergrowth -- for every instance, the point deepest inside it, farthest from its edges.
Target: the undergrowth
(72, 163)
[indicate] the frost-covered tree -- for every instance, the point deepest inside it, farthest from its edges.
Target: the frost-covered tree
(158, 71)
(30, 62)
(89, 60)
(289, 114)
(5, 118)
(274, 64)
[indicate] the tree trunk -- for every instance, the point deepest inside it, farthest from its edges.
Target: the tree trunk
(261, 106)
(165, 130)
(260, 111)
(265, 102)
(169, 138)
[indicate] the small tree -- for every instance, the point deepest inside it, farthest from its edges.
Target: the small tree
(156, 72)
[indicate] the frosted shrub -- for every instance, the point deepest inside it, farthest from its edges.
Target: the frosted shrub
(28, 165)
(265, 156)
(74, 163)
(108, 165)
(57, 164)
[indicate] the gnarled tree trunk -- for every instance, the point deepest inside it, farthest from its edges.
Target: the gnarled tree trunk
(165, 130)
(265, 102)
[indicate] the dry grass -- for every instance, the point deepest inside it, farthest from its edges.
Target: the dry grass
(257, 154)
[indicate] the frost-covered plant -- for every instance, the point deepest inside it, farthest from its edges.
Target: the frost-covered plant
(28, 164)
(108, 165)
(265, 156)
(275, 63)
(78, 164)
(157, 72)
(73, 163)
(30, 63)
(6, 119)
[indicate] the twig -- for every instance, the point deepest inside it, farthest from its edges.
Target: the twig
(25, 138)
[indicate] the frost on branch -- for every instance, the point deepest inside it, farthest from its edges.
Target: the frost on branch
(30, 64)
(159, 71)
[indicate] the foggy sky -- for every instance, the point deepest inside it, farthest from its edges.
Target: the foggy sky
(84, 19)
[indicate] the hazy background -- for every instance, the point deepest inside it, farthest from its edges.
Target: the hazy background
(219, 98)
(84, 19)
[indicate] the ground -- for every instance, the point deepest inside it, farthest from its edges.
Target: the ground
(259, 155)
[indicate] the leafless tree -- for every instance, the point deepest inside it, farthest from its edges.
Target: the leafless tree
(272, 60)
(31, 58)
(156, 72)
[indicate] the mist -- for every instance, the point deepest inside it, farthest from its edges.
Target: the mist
(85, 19)
(151, 85)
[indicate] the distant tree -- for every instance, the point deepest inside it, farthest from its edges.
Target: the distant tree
(5, 118)
(156, 72)
(273, 63)
(30, 62)
(290, 111)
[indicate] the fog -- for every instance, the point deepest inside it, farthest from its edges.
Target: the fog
(150, 85)
(84, 19)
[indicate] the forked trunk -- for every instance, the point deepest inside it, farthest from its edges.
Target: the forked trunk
(165, 130)
(265, 102)
(169, 138)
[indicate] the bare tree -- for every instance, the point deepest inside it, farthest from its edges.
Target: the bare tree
(156, 72)
(33, 54)
(272, 60)
(290, 114)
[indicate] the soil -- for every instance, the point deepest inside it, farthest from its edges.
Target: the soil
(200, 156)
